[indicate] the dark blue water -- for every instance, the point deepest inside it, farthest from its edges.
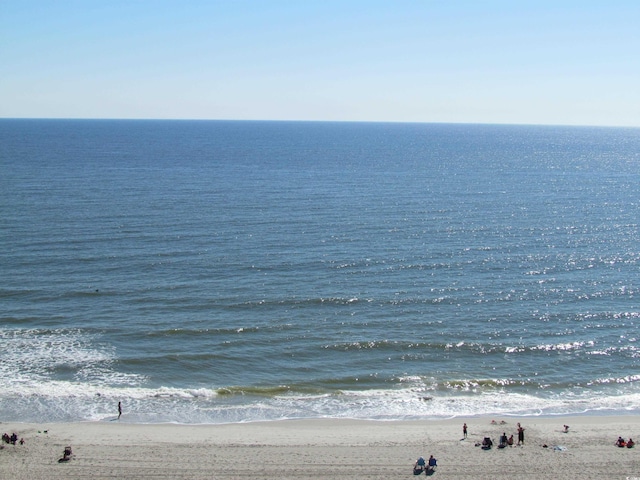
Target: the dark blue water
(235, 271)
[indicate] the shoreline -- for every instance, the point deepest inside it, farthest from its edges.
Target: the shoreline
(330, 448)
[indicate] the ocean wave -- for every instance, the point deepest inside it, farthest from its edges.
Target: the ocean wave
(58, 401)
(479, 348)
(34, 357)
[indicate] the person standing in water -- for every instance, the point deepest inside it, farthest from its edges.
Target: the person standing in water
(119, 410)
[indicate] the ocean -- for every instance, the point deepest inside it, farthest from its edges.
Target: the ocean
(208, 272)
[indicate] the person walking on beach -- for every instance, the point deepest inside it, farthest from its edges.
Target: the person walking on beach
(520, 434)
(464, 431)
(119, 410)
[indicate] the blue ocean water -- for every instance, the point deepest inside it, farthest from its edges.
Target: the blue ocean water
(219, 271)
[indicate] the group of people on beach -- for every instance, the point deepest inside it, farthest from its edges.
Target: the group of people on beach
(427, 466)
(505, 441)
(12, 440)
(622, 443)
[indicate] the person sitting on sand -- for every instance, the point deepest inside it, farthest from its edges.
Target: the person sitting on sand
(419, 466)
(620, 442)
(66, 455)
(433, 463)
(630, 443)
(566, 428)
(510, 441)
(486, 443)
(14, 438)
(503, 440)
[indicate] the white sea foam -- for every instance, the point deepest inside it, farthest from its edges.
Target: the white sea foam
(35, 390)
(58, 401)
(33, 361)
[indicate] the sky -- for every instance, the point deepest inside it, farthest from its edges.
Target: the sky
(558, 62)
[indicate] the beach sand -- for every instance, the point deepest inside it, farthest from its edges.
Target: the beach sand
(337, 449)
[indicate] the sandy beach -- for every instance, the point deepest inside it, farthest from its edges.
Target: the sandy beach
(323, 448)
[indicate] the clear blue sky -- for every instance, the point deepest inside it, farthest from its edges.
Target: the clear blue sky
(476, 61)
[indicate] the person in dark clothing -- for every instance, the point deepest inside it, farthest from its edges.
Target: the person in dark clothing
(520, 434)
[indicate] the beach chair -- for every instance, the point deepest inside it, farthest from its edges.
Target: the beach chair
(66, 455)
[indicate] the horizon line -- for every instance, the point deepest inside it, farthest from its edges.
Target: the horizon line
(400, 122)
